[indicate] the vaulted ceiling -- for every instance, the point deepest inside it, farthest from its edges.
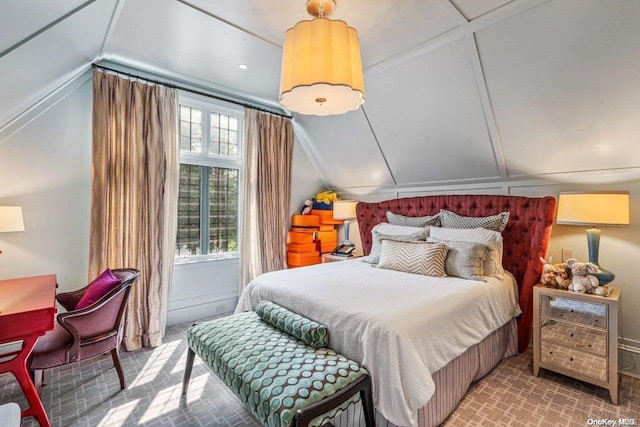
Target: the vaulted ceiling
(457, 91)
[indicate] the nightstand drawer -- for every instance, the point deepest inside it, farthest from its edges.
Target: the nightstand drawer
(584, 313)
(574, 361)
(590, 340)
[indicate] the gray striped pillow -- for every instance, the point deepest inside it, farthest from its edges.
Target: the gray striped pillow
(495, 222)
(413, 257)
(413, 221)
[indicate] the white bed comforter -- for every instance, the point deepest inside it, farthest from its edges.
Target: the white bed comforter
(402, 327)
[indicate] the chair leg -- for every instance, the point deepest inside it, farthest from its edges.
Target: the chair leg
(366, 399)
(187, 370)
(38, 374)
(115, 355)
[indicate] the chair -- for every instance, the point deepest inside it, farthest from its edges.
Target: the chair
(84, 333)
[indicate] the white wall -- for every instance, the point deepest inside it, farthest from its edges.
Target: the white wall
(619, 247)
(45, 167)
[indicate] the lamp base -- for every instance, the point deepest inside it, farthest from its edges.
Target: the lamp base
(604, 276)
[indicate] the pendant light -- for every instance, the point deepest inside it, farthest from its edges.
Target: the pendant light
(321, 65)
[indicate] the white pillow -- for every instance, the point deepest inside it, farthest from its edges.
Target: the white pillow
(493, 239)
(395, 232)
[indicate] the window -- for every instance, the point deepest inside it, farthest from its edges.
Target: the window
(210, 179)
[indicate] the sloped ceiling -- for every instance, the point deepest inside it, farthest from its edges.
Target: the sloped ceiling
(458, 91)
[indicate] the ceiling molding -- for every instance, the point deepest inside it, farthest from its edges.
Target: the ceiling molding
(303, 139)
(487, 109)
(453, 11)
(45, 28)
(229, 23)
(69, 84)
(453, 35)
(375, 137)
(115, 17)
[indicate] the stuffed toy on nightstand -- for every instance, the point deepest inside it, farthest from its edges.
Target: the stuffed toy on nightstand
(583, 281)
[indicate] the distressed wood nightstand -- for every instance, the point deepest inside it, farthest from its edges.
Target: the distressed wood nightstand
(576, 335)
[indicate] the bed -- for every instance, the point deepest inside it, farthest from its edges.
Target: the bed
(421, 366)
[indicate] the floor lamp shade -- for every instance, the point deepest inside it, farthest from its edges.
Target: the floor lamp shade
(346, 210)
(594, 209)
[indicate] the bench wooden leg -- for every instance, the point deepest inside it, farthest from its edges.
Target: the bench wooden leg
(187, 370)
(363, 385)
(366, 398)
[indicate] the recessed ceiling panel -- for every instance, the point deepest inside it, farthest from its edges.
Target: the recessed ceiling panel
(45, 62)
(472, 9)
(384, 27)
(21, 18)
(345, 150)
(429, 120)
(563, 82)
(172, 36)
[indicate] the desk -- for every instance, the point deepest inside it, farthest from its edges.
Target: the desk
(27, 311)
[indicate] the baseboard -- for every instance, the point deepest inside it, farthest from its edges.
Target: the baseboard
(189, 310)
(629, 357)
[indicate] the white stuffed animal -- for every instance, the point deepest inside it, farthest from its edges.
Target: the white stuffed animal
(583, 281)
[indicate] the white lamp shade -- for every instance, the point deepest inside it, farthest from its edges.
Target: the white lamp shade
(11, 219)
(321, 68)
(344, 209)
(593, 209)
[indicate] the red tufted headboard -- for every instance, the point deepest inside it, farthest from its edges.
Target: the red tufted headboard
(525, 238)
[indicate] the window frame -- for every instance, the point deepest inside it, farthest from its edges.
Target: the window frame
(205, 159)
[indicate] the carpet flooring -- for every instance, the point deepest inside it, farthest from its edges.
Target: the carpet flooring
(87, 394)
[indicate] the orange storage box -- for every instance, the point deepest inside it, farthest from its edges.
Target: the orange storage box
(327, 236)
(328, 247)
(302, 259)
(326, 217)
(305, 220)
(300, 237)
(301, 247)
(326, 227)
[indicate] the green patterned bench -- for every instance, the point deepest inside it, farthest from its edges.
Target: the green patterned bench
(277, 363)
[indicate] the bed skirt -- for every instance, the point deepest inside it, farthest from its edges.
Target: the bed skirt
(452, 381)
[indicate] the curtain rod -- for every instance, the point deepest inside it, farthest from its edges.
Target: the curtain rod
(186, 89)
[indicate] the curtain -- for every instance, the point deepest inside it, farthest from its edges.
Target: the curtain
(135, 177)
(266, 194)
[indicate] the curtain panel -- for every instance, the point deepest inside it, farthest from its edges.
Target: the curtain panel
(135, 177)
(266, 194)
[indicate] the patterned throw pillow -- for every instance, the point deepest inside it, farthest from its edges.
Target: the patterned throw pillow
(464, 259)
(493, 239)
(306, 330)
(495, 222)
(413, 221)
(396, 232)
(413, 257)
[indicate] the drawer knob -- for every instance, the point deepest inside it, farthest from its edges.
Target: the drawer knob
(551, 352)
(571, 335)
(571, 359)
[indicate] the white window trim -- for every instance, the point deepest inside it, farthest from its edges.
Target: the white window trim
(205, 159)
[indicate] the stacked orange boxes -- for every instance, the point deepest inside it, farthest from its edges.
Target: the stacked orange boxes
(327, 232)
(301, 247)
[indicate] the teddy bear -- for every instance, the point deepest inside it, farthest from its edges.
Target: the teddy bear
(583, 281)
(562, 274)
(556, 275)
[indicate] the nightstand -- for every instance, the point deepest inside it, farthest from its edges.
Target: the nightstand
(577, 335)
(328, 257)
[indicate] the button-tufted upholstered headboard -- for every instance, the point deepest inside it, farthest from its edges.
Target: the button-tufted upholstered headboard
(525, 238)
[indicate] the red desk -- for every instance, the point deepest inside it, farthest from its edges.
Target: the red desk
(27, 311)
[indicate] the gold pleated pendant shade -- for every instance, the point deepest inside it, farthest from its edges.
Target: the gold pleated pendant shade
(321, 68)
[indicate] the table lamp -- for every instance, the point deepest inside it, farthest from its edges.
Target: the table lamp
(609, 209)
(11, 219)
(346, 210)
